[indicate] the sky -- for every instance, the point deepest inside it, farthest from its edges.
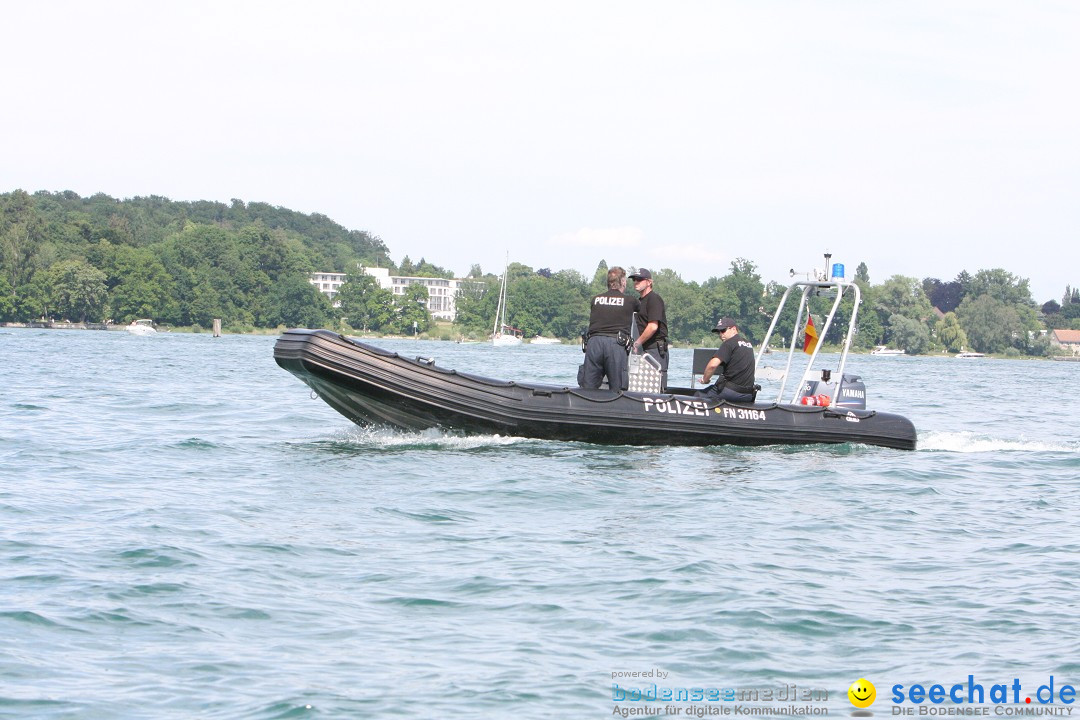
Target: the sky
(920, 137)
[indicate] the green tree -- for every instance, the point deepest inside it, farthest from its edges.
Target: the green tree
(295, 302)
(141, 287)
(412, 313)
(990, 324)
(530, 301)
(599, 280)
(744, 288)
(686, 306)
(33, 299)
(899, 295)
(904, 296)
(364, 303)
(557, 304)
(78, 290)
(16, 251)
(426, 269)
(951, 334)
(1001, 285)
(203, 304)
(7, 301)
(862, 276)
(1040, 345)
(476, 303)
(911, 335)
(569, 315)
(869, 332)
(22, 233)
(1070, 311)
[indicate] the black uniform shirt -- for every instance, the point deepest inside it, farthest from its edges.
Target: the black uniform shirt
(652, 310)
(737, 358)
(611, 313)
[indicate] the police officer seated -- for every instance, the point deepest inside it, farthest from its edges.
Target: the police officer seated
(608, 340)
(735, 362)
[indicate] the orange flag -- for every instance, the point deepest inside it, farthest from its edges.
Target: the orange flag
(810, 341)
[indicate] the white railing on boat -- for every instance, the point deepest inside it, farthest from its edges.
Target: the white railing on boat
(813, 287)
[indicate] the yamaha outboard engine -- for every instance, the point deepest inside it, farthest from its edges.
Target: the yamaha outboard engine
(851, 394)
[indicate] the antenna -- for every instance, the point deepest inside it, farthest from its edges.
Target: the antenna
(828, 257)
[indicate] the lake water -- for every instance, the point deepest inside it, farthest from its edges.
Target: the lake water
(185, 533)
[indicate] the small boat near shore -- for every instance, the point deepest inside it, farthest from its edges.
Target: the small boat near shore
(374, 386)
(142, 327)
(504, 335)
(969, 355)
(884, 350)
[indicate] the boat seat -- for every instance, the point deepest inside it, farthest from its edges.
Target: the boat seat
(702, 356)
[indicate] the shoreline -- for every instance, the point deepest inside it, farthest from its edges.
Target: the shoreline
(277, 331)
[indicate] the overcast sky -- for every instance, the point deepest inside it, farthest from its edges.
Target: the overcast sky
(920, 137)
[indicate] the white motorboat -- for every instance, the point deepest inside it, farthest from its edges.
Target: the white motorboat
(883, 350)
(968, 355)
(142, 327)
(541, 340)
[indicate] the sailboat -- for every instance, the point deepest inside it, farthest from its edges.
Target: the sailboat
(503, 335)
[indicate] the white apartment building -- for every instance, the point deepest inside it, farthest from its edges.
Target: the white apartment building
(442, 293)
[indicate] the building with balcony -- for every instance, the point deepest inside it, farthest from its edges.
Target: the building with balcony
(442, 293)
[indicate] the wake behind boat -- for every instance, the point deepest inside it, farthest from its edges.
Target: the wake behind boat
(373, 386)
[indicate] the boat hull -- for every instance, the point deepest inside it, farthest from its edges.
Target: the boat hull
(371, 386)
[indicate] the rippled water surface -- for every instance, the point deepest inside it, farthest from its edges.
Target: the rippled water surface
(184, 533)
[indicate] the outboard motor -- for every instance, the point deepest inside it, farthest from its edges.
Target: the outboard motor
(851, 394)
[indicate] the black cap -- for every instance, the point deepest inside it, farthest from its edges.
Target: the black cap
(724, 324)
(641, 274)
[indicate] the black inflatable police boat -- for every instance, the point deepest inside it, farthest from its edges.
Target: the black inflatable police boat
(370, 385)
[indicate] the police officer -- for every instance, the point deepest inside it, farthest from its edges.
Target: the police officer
(653, 318)
(736, 357)
(609, 335)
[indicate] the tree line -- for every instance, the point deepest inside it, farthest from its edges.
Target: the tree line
(991, 311)
(99, 259)
(95, 259)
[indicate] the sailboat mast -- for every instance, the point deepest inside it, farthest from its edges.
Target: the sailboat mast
(502, 299)
(498, 311)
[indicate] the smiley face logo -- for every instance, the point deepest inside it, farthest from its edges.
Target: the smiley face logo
(862, 693)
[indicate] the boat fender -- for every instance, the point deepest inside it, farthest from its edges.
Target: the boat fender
(821, 400)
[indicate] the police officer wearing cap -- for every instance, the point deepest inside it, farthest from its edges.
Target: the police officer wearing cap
(609, 335)
(736, 356)
(653, 318)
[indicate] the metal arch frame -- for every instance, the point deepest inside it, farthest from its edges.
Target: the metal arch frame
(813, 286)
